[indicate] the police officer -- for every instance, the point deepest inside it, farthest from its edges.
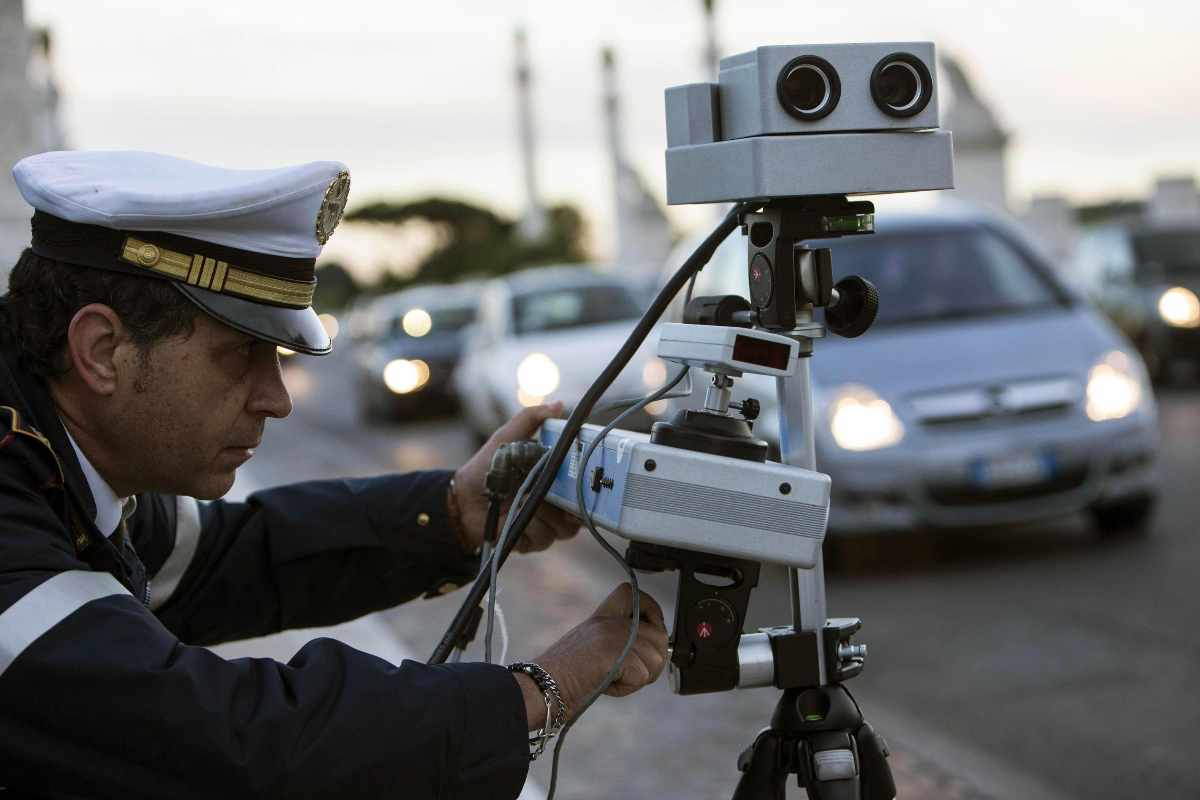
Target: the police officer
(137, 370)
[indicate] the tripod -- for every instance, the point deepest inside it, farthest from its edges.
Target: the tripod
(817, 731)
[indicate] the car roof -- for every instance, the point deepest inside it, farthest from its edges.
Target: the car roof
(558, 275)
(433, 296)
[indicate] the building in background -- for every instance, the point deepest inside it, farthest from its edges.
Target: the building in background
(29, 120)
(1174, 201)
(980, 144)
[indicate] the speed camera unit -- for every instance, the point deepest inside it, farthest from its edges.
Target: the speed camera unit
(804, 120)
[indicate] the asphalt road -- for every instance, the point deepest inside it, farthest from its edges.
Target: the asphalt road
(1031, 662)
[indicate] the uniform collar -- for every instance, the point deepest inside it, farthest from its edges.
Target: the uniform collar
(109, 507)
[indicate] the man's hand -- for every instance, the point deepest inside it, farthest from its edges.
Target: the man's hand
(580, 660)
(548, 525)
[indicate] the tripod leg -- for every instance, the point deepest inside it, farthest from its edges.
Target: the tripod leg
(764, 769)
(877, 781)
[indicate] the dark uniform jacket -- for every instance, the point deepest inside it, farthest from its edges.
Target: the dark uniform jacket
(105, 691)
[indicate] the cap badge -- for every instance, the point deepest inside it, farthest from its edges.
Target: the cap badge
(332, 206)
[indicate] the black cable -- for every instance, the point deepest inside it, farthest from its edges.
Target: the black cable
(580, 413)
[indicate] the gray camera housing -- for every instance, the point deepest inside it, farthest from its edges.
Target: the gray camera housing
(735, 139)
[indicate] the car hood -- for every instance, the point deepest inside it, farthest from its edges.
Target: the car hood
(581, 353)
(905, 359)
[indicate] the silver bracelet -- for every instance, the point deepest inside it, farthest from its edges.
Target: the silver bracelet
(556, 709)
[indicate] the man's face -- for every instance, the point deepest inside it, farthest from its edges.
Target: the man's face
(195, 409)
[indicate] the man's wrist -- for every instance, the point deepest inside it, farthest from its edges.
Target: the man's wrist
(535, 701)
(454, 516)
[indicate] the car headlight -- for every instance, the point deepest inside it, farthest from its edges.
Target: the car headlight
(654, 373)
(862, 420)
(1114, 388)
(537, 375)
(404, 376)
(1180, 307)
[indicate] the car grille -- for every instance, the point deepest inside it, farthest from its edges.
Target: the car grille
(1039, 398)
(966, 495)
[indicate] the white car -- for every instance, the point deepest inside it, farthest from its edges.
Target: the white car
(545, 334)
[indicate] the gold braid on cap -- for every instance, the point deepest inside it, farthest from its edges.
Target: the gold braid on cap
(208, 273)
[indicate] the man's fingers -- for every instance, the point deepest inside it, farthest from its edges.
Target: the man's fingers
(633, 676)
(652, 657)
(526, 422)
(620, 604)
(565, 525)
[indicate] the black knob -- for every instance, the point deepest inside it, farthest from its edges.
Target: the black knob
(857, 305)
(748, 408)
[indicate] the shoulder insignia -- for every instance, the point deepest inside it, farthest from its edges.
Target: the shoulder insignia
(48, 469)
(14, 431)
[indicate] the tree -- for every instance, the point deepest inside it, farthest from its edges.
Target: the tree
(474, 241)
(336, 287)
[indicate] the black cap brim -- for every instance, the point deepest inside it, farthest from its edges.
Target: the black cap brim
(297, 329)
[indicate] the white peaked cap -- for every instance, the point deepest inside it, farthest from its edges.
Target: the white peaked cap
(239, 243)
(272, 211)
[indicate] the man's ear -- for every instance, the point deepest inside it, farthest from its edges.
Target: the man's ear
(92, 339)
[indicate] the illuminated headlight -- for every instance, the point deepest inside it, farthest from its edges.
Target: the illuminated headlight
(403, 376)
(862, 420)
(537, 375)
(654, 373)
(1179, 307)
(1113, 389)
(417, 322)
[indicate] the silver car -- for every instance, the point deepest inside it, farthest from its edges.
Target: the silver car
(986, 393)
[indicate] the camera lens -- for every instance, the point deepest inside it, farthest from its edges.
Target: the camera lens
(808, 87)
(901, 85)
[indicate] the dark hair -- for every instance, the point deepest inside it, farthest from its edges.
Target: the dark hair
(44, 294)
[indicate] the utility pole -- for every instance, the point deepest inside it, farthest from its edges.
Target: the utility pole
(533, 224)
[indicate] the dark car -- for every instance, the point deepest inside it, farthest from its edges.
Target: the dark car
(414, 343)
(1147, 279)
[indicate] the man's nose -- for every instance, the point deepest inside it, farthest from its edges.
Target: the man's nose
(269, 395)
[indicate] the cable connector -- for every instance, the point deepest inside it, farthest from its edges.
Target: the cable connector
(510, 464)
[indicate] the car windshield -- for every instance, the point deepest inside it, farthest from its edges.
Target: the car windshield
(946, 274)
(422, 320)
(572, 307)
(1163, 254)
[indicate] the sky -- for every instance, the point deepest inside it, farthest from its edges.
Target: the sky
(417, 98)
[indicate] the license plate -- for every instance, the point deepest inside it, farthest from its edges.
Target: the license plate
(1012, 469)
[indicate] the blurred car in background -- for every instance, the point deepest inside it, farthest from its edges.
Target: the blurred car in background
(409, 347)
(545, 334)
(986, 393)
(1147, 279)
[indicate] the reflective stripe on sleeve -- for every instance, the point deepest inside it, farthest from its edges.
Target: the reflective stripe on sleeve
(50, 603)
(187, 536)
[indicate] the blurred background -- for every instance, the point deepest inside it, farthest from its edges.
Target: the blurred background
(1013, 446)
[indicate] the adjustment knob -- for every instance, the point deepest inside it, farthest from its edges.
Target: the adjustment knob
(748, 408)
(856, 307)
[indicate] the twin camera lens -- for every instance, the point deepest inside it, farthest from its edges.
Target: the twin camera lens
(809, 87)
(901, 85)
